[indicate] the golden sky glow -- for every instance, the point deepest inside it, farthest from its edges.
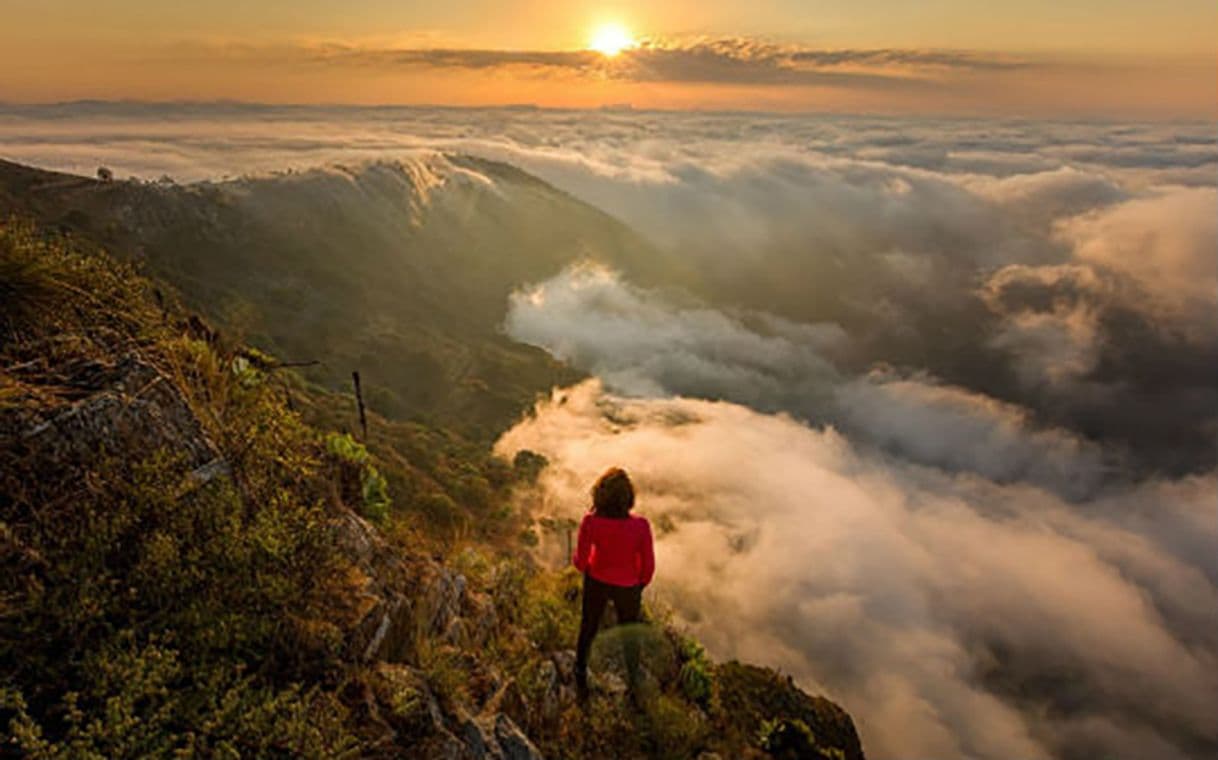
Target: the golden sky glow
(1040, 57)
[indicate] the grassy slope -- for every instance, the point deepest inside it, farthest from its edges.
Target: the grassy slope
(382, 268)
(123, 633)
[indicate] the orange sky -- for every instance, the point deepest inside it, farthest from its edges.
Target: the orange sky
(1038, 58)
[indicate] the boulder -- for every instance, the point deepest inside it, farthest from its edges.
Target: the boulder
(102, 408)
(497, 737)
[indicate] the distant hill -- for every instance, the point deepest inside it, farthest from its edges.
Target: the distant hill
(400, 269)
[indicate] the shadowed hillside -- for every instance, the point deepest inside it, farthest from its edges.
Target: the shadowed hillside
(399, 269)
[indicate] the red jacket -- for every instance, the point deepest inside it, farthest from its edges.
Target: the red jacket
(615, 551)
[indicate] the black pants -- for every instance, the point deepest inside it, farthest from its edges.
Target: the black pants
(627, 601)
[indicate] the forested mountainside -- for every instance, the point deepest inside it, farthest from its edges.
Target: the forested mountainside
(199, 558)
(398, 269)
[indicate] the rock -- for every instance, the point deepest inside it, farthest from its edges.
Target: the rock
(443, 746)
(440, 612)
(551, 697)
(509, 701)
(564, 661)
(515, 745)
(126, 406)
(479, 738)
(497, 737)
(358, 539)
(564, 664)
(379, 619)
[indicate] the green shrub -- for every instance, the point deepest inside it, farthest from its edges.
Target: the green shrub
(446, 670)
(696, 676)
(375, 495)
(374, 500)
(509, 585)
(673, 729)
(439, 508)
(527, 465)
(639, 653)
(787, 738)
(473, 564)
(143, 701)
(551, 623)
(145, 612)
(697, 683)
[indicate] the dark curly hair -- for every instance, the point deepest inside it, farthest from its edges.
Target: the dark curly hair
(613, 494)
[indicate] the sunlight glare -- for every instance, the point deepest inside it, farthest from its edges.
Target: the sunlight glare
(611, 39)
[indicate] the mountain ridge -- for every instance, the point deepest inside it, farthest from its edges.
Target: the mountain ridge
(332, 261)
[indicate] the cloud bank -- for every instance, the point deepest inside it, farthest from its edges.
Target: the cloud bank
(641, 346)
(728, 60)
(954, 616)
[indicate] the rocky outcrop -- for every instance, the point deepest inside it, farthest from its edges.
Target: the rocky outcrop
(497, 737)
(453, 613)
(96, 409)
(398, 600)
(400, 700)
(379, 619)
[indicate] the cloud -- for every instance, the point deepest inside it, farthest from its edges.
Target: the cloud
(1046, 194)
(953, 616)
(952, 428)
(463, 58)
(718, 60)
(962, 59)
(642, 345)
(1050, 322)
(1163, 242)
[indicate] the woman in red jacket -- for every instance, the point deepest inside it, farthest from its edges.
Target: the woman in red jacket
(615, 554)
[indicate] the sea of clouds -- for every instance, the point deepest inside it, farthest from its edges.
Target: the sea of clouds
(923, 411)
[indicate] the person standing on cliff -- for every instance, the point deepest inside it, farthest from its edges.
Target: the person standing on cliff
(614, 551)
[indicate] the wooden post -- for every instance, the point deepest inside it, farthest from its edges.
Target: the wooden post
(359, 399)
(287, 396)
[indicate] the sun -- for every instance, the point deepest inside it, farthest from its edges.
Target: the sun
(611, 39)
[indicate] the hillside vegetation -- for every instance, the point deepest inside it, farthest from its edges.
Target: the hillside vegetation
(197, 559)
(398, 269)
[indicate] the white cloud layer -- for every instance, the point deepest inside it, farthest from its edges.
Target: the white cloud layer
(642, 346)
(952, 615)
